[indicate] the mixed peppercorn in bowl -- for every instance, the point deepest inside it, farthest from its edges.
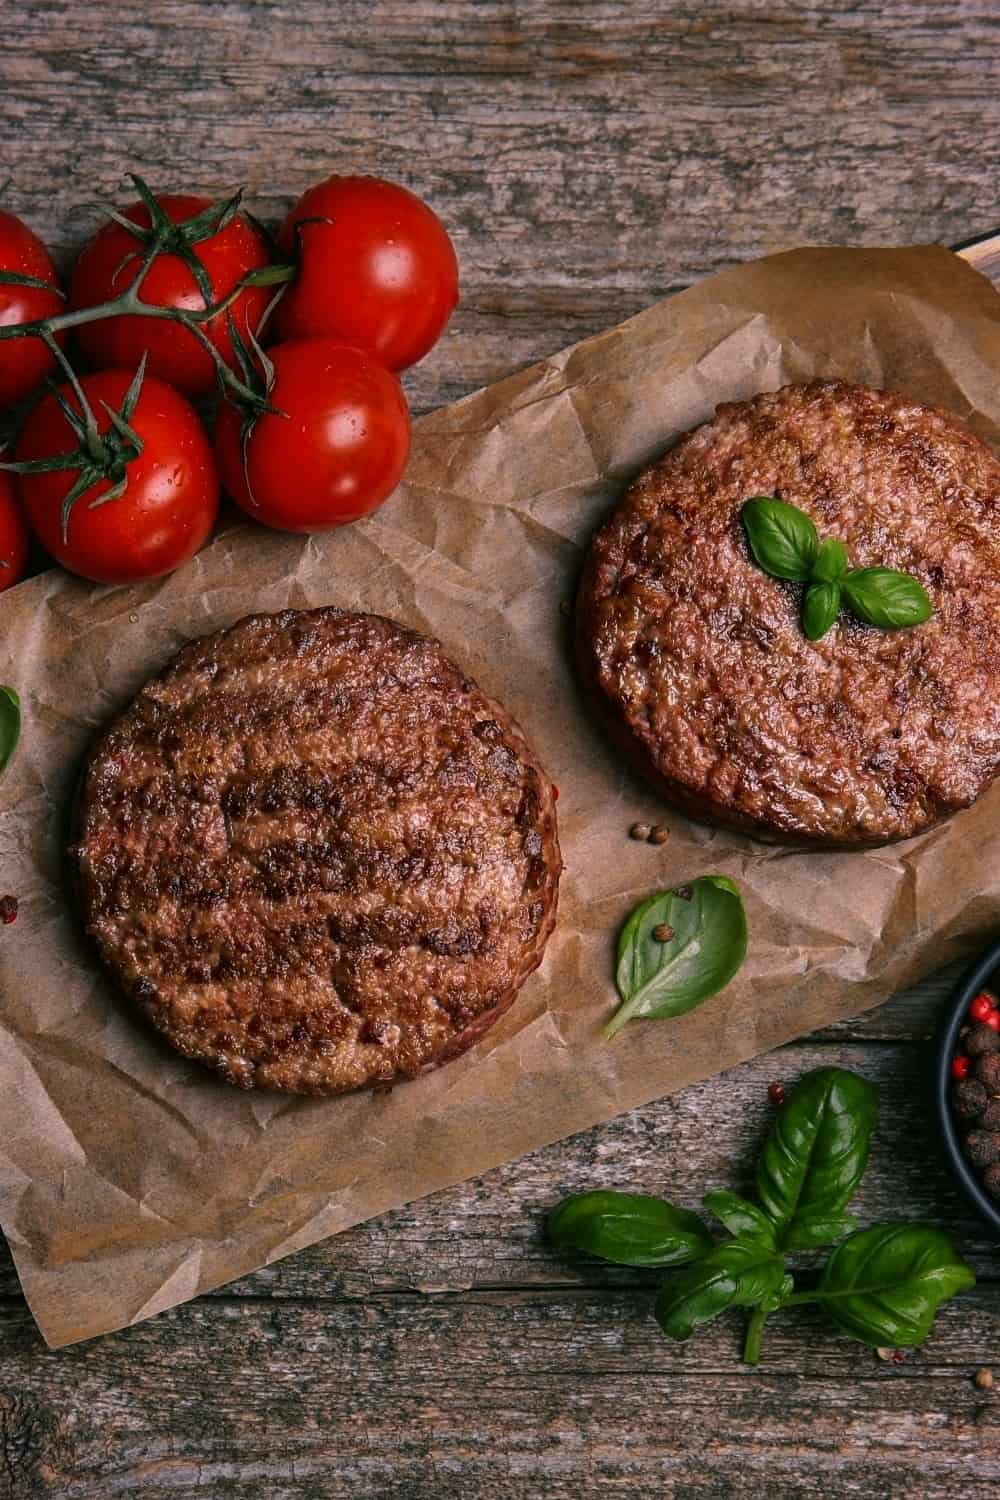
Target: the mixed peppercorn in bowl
(968, 1085)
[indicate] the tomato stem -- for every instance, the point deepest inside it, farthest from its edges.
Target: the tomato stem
(130, 304)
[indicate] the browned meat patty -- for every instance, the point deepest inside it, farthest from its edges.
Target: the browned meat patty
(698, 657)
(315, 855)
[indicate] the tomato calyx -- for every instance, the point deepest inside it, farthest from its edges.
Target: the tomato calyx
(98, 456)
(163, 237)
(257, 370)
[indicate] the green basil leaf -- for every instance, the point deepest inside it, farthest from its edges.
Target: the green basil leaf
(817, 1151)
(708, 943)
(820, 608)
(10, 725)
(813, 1230)
(782, 538)
(745, 1221)
(631, 1229)
(884, 1285)
(831, 561)
(883, 597)
(737, 1273)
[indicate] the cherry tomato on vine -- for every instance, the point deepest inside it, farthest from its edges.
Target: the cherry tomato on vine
(13, 536)
(24, 363)
(109, 263)
(378, 269)
(337, 452)
(171, 488)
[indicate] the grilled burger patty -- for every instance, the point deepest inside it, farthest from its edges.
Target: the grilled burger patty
(698, 658)
(315, 855)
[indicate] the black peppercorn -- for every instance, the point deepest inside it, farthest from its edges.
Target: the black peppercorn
(991, 1181)
(981, 1039)
(982, 1147)
(987, 1070)
(990, 1117)
(969, 1098)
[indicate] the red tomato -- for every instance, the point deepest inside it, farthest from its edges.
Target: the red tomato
(169, 506)
(382, 273)
(24, 363)
(107, 267)
(13, 536)
(338, 451)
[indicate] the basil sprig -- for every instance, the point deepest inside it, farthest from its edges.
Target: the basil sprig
(882, 1285)
(10, 726)
(785, 543)
(677, 948)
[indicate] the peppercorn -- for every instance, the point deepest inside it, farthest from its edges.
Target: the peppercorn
(991, 1181)
(990, 1117)
(776, 1094)
(8, 910)
(640, 831)
(662, 932)
(982, 1147)
(969, 1098)
(984, 1379)
(659, 834)
(987, 1070)
(960, 1066)
(981, 1038)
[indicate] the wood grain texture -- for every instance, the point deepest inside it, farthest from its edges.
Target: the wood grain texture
(588, 159)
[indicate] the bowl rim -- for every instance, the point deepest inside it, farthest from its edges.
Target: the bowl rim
(972, 981)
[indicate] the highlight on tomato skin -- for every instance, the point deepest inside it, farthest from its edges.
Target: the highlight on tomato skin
(25, 362)
(171, 500)
(108, 264)
(376, 267)
(14, 538)
(337, 451)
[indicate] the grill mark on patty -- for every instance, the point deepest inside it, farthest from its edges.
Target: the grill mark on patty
(278, 869)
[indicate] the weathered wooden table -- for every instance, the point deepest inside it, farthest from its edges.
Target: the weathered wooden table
(589, 158)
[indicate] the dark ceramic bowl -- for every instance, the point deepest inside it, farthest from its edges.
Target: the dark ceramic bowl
(984, 974)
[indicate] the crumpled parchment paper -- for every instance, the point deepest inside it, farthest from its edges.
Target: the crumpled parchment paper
(131, 1180)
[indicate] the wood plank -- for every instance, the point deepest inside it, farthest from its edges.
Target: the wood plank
(588, 159)
(559, 1393)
